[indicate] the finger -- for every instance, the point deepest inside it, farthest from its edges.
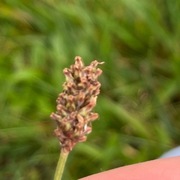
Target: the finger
(166, 169)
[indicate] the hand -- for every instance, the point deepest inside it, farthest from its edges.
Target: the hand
(160, 169)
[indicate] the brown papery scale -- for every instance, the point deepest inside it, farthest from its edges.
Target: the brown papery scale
(75, 104)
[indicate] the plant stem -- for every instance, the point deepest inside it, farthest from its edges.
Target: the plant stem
(61, 165)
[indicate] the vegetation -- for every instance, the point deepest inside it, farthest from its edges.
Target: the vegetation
(139, 104)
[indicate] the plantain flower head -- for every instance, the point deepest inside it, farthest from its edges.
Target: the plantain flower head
(74, 114)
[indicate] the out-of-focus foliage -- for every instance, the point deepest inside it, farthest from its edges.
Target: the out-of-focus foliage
(139, 106)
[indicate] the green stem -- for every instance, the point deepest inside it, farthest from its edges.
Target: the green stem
(61, 165)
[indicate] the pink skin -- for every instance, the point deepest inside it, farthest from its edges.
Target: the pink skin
(160, 169)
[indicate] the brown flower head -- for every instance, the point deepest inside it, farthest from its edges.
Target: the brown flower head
(74, 105)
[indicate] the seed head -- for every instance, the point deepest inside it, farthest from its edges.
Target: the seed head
(74, 114)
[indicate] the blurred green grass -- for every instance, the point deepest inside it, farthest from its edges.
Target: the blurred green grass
(139, 105)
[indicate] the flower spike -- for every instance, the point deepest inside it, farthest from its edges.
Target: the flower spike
(74, 114)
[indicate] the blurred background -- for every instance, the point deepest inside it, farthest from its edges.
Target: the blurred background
(139, 105)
